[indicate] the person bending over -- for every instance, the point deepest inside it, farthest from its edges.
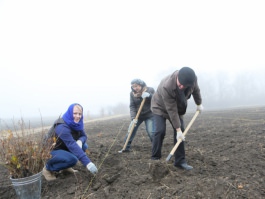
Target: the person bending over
(170, 103)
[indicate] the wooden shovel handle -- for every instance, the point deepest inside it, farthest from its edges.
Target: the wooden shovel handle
(184, 134)
(131, 130)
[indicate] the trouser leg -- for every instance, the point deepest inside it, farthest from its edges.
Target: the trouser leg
(60, 160)
(132, 135)
(158, 136)
(180, 152)
(149, 123)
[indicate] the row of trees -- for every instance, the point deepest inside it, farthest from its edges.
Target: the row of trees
(225, 90)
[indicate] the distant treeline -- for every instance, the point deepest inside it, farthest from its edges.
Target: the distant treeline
(226, 90)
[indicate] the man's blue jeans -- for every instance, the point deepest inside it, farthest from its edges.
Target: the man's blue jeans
(149, 129)
(62, 159)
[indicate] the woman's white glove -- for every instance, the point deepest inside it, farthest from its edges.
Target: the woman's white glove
(79, 143)
(200, 108)
(145, 94)
(180, 135)
(92, 168)
(135, 121)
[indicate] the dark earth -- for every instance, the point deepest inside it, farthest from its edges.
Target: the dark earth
(225, 147)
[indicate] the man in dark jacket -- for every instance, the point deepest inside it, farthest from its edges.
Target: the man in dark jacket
(138, 93)
(170, 102)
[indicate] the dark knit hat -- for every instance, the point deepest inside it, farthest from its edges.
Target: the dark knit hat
(186, 76)
(139, 82)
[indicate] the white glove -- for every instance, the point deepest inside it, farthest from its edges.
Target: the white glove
(134, 121)
(200, 108)
(180, 135)
(145, 94)
(92, 168)
(79, 143)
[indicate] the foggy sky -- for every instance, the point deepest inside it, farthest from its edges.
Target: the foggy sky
(54, 53)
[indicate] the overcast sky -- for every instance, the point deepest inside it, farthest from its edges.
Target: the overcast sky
(54, 53)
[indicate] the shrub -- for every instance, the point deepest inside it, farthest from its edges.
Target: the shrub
(22, 151)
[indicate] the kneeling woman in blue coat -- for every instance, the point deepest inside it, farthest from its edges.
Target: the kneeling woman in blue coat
(70, 144)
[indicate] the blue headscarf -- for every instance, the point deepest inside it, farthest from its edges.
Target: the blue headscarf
(69, 119)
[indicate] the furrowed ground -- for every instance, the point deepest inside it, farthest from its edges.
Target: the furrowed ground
(226, 149)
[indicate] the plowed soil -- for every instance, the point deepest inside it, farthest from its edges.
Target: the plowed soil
(226, 149)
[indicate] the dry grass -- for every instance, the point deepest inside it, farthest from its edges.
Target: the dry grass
(22, 151)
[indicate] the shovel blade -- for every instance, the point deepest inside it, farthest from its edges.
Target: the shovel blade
(168, 157)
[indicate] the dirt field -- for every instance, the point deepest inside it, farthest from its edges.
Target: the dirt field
(226, 149)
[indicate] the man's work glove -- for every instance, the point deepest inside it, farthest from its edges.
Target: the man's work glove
(79, 143)
(92, 168)
(145, 94)
(180, 135)
(200, 108)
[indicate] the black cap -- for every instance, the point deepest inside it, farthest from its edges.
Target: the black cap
(139, 82)
(186, 76)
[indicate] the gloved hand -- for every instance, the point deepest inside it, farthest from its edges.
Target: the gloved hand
(200, 108)
(92, 168)
(79, 143)
(145, 94)
(180, 135)
(135, 121)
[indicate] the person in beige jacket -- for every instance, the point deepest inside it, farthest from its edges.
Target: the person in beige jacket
(170, 103)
